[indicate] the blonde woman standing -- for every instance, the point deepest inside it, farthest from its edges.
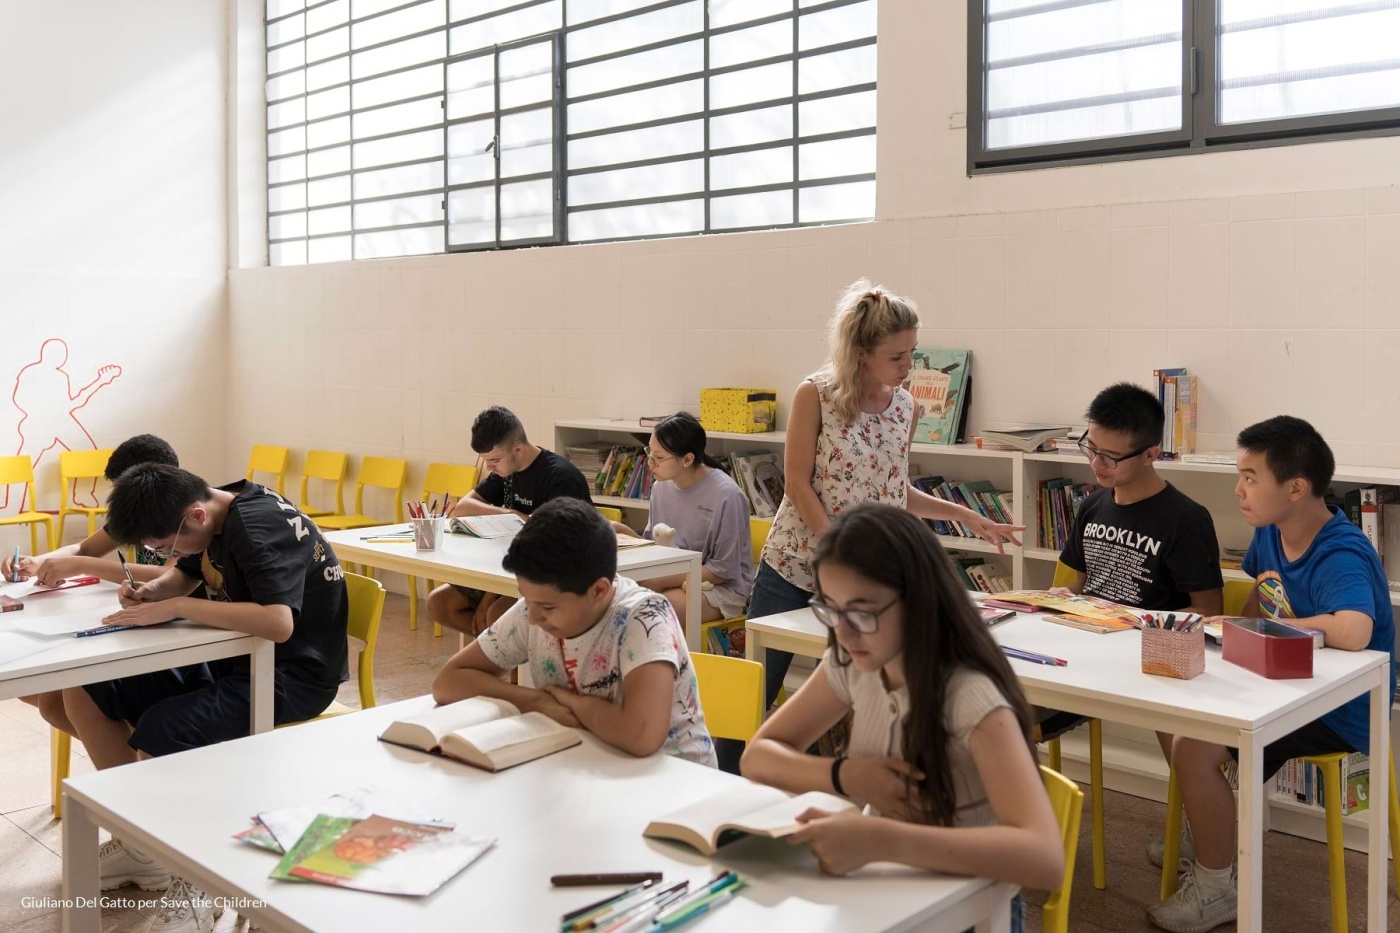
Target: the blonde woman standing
(848, 437)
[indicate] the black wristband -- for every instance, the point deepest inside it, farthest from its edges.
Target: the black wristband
(836, 775)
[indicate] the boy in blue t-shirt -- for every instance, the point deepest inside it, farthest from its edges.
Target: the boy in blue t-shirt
(1309, 565)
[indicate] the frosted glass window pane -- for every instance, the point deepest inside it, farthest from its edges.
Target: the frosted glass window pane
(362, 8)
(836, 114)
(286, 197)
(285, 141)
(468, 160)
(842, 24)
(328, 161)
(527, 75)
(747, 45)
(335, 71)
(287, 254)
(752, 127)
(855, 201)
(285, 30)
(328, 190)
(394, 87)
(326, 103)
(471, 216)
(670, 218)
(527, 143)
(648, 181)
(666, 23)
(288, 85)
(290, 169)
(330, 220)
(769, 82)
(276, 8)
(398, 117)
(327, 44)
(669, 100)
(471, 87)
(643, 67)
(854, 156)
(767, 209)
(329, 249)
(748, 169)
(420, 210)
(633, 145)
(730, 12)
(467, 9)
(584, 11)
(399, 55)
(399, 180)
(527, 210)
(328, 132)
(288, 56)
(398, 149)
(507, 27)
(834, 70)
(387, 243)
(286, 226)
(327, 15)
(400, 23)
(292, 111)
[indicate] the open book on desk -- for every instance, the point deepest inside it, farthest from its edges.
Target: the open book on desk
(483, 731)
(486, 526)
(745, 809)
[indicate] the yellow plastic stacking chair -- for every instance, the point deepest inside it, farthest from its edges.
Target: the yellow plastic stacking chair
(388, 473)
(366, 609)
(60, 758)
(270, 460)
(610, 513)
(1236, 595)
(1067, 800)
(327, 466)
(16, 471)
(758, 534)
(444, 480)
(75, 466)
(731, 695)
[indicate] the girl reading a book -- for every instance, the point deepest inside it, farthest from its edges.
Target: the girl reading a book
(939, 741)
(709, 514)
(848, 437)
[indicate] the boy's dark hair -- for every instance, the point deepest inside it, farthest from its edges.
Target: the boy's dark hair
(495, 426)
(143, 448)
(1130, 409)
(566, 544)
(149, 500)
(1291, 447)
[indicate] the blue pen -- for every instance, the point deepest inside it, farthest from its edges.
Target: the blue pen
(104, 629)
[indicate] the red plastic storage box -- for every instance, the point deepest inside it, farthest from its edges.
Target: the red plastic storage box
(1269, 648)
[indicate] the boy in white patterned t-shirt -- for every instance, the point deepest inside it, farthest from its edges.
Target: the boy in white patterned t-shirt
(606, 654)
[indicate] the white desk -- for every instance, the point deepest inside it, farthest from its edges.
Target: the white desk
(581, 810)
(476, 562)
(38, 652)
(1226, 704)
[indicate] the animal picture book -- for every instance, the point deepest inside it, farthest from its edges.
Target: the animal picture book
(751, 809)
(940, 382)
(485, 732)
(278, 830)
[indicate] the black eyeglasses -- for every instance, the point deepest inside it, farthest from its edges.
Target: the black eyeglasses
(1093, 453)
(864, 621)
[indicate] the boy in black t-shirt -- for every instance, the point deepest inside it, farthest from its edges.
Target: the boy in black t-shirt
(522, 478)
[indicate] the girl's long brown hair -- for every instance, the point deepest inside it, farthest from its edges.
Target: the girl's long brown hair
(942, 632)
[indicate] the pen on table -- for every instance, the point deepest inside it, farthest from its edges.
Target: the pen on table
(626, 877)
(716, 884)
(596, 906)
(696, 908)
(103, 630)
(625, 911)
(643, 915)
(1024, 655)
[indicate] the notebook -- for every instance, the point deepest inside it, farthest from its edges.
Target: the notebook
(484, 732)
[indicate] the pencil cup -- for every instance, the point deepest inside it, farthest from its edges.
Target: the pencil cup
(428, 532)
(1168, 653)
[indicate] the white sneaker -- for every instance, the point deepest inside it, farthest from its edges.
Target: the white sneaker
(122, 864)
(1199, 904)
(184, 909)
(1157, 848)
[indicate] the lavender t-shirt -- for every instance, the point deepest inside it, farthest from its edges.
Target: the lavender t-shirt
(711, 517)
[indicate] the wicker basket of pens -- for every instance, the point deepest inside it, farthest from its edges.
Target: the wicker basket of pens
(1174, 652)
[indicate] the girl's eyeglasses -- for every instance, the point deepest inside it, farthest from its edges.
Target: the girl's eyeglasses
(653, 457)
(864, 621)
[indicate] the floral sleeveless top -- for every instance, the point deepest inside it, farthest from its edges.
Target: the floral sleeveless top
(864, 461)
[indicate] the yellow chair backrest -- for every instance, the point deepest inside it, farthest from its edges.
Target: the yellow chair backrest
(610, 513)
(1236, 595)
(269, 459)
(448, 479)
(383, 473)
(15, 470)
(83, 464)
(731, 695)
(1067, 801)
(366, 607)
(1064, 574)
(758, 536)
(325, 465)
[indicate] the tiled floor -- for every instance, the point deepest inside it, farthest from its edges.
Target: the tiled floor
(1295, 870)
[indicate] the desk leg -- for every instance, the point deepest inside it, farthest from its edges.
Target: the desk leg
(261, 663)
(693, 601)
(81, 913)
(1250, 834)
(1380, 794)
(999, 920)
(753, 646)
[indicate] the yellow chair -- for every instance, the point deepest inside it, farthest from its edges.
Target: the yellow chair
(731, 695)
(1236, 595)
(329, 467)
(388, 473)
(20, 470)
(1064, 576)
(444, 480)
(758, 535)
(610, 513)
(273, 460)
(1067, 800)
(366, 608)
(74, 466)
(60, 756)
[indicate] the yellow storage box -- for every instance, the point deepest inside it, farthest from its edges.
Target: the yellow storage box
(740, 411)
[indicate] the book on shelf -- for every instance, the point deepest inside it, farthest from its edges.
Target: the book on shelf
(981, 496)
(1302, 781)
(486, 526)
(744, 809)
(940, 382)
(1178, 392)
(1027, 440)
(726, 640)
(1218, 457)
(651, 421)
(759, 476)
(589, 459)
(1058, 501)
(485, 732)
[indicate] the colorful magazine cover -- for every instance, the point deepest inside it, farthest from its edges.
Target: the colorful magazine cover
(939, 382)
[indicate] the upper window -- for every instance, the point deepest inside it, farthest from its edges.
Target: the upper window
(1057, 80)
(398, 128)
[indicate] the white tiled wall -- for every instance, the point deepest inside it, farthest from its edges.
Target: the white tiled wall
(1281, 303)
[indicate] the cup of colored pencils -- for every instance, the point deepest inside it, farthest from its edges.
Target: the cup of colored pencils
(429, 524)
(1173, 644)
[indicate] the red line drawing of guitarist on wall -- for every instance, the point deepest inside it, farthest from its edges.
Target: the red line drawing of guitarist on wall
(49, 407)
